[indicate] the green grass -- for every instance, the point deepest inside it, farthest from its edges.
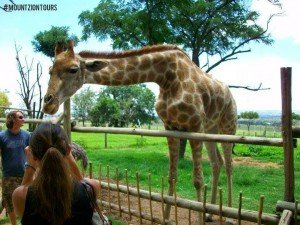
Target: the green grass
(4, 221)
(150, 155)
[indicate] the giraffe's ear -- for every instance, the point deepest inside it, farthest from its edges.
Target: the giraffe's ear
(95, 65)
(59, 48)
(70, 51)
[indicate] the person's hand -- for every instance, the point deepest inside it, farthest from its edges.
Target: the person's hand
(30, 158)
(73, 166)
(69, 157)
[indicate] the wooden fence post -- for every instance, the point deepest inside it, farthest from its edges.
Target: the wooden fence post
(67, 118)
(286, 84)
(105, 140)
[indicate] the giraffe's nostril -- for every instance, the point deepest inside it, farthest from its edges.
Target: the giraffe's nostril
(48, 99)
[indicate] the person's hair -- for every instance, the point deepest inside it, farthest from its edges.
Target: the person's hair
(53, 184)
(10, 118)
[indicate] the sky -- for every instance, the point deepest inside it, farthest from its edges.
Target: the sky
(261, 65)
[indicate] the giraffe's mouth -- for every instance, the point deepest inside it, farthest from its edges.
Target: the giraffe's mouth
(51, 108)
(51, 104)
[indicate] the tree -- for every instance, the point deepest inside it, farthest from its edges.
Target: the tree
(30, 81)
(249, 116)
(136, 103)
(83, 103)
(45, 41)
(106, 112)
(125, 105)
(209, 29)
(4, 102)
(295, 117)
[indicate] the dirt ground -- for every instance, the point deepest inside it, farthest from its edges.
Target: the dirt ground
(185, 217)
(248, 161)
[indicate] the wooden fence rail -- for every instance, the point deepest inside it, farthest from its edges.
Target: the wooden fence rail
(234, 213)
(287, 212)
(164, 133)
(186, 135)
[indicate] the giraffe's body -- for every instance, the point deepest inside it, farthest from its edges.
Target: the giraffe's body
(189, 99)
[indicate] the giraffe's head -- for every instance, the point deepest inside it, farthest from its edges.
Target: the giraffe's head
(67, 75)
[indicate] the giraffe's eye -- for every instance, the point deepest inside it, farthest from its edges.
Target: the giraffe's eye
(73, 69)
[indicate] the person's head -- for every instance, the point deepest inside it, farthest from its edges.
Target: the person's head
(48, 135)
(14, 118)
(53, 185)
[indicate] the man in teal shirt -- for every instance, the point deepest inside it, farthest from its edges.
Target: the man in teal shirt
(13, 141)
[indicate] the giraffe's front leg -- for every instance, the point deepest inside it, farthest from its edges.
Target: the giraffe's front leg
(216, 163)
(196, 147)
(174, 145)
(227, 148)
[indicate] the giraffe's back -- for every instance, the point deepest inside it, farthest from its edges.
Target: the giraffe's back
(197, 102)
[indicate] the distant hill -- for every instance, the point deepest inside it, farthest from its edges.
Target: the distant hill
(266, 116)
(269, 114)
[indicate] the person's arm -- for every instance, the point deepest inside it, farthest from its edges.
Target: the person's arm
(30, 167)
(73, 166)
(28, 175)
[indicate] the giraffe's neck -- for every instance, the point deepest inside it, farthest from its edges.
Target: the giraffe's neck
(158, 67)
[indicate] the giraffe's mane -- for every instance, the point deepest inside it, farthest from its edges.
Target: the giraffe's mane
(129, 53)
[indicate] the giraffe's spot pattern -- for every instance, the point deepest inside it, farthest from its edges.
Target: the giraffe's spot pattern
(189, 99)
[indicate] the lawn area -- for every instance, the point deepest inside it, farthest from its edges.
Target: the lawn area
(147, 155)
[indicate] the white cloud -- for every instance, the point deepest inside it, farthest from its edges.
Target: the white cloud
(265, 70)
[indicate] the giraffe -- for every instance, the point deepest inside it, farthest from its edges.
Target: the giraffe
(189, 99)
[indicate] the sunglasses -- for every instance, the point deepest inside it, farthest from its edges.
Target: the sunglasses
(21, 117)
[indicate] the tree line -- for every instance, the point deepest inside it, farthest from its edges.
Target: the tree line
(115, 106)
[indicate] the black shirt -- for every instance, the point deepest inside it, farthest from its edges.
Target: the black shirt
(81, 208)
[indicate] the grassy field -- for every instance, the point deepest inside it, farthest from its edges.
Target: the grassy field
(150, 155)
(261, 175)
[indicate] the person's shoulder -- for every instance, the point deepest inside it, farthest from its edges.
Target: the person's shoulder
(94, 183)
(19, 198)
(3, 133)
(25, 132)
(21, 191)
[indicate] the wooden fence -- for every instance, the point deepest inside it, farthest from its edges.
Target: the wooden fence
(131, 203)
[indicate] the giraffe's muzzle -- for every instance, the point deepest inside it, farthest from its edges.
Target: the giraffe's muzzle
(51, 104)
